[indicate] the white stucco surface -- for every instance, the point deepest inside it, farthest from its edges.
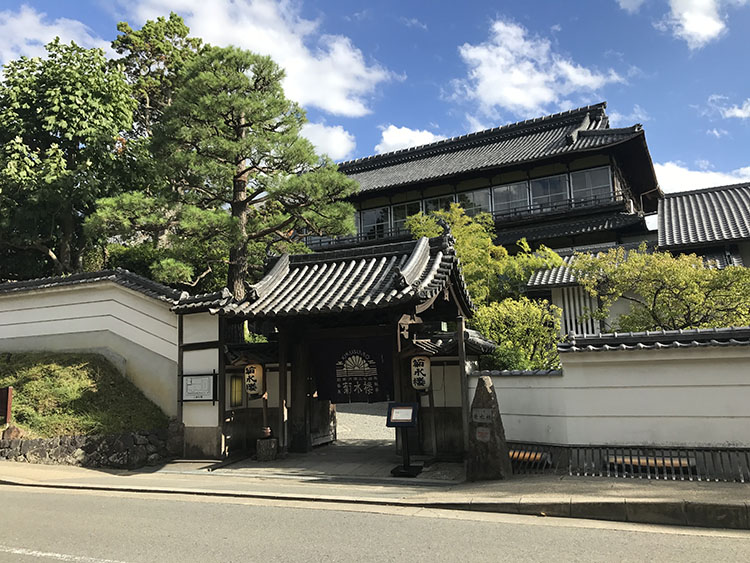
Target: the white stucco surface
(686, 397)
(137, 333)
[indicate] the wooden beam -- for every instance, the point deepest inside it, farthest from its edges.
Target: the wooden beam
(280, 429)
(460, 329)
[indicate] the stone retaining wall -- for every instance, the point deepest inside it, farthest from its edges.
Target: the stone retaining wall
(129, 450)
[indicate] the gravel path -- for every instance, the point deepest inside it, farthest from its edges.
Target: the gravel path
(363, 421)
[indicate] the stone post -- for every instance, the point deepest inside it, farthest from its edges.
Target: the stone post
(488, 457)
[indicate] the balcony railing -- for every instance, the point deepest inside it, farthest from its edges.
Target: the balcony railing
(379, 234)
(555, 206)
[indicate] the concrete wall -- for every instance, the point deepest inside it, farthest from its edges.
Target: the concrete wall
(137, 333)
(687, 397)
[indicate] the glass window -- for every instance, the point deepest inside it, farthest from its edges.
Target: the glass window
(236, 388)
(375, 222)
(475, 202)
(591, 185)
(403, 210)
(510, 197)
(441, 203)
(547, 192)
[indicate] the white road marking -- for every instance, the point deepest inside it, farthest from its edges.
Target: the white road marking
(57, 556)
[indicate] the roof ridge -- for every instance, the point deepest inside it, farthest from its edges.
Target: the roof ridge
(745, 184)
(474, 136)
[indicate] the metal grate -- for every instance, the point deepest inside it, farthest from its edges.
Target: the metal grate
(676, 464)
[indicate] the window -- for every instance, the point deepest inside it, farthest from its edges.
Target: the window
(591, 185)
(546, 192)
(510, 197)
(475, 202)
(403, 210)
(375, 222)
(441, 203)
(236, 388)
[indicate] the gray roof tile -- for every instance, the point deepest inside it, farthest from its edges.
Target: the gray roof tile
(597, 223)
(712, 215)
(356, 279)
(446, 344)
(119, 276)
(578, 130)
(657, 340)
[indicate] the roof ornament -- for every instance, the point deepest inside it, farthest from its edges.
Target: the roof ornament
(448, 240)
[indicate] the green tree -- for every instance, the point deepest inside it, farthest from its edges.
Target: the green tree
(232, 141)
(526, 330)
(153, 58)
(491, 273)
(665, 292)
(62, 118)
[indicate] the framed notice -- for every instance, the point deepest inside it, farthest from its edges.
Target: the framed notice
(402, 415)
(198, 387)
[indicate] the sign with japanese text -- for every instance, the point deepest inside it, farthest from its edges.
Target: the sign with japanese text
(483, 416)
(420, 373)
(254, 380)
(198, 388)
(354, 370)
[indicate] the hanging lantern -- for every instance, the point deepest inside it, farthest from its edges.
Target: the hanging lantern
(420, 373)
(254, 380)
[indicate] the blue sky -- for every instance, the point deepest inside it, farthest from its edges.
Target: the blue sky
(377, 76)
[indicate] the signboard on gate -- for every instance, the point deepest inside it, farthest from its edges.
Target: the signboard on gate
(254, 380)
(198, 387)
(420, 373)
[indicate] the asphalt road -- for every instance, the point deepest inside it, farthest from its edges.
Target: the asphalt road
(90, 527)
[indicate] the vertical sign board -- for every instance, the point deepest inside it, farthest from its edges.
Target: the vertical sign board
(254, 380)
(6, 400)
(420, 373)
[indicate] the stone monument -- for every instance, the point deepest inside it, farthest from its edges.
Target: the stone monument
(488, 455)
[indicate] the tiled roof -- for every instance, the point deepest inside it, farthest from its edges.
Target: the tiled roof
(658, 340)
(518, 372)
(203, 302)
(578, 130)
(712, 215)
(119, 276)
(606, 222)
(356, 279)
(562, 276)
(446, 344)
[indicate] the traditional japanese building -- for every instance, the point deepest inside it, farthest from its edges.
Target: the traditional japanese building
(563, 180)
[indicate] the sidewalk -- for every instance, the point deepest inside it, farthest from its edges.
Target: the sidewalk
(704, 504)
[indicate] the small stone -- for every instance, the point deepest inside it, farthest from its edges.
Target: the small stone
(154, 459)
(140, 440)
(12, 433)
(137, 456)
(79, 457)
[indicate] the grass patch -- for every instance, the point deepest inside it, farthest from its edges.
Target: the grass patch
(71, 394)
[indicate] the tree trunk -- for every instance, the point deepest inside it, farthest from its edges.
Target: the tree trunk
(66, 240)
(238, 267)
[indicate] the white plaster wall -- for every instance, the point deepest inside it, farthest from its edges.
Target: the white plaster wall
(689, 397)
(137, 333)
(200, 327)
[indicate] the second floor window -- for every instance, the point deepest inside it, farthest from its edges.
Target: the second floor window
(510, 197)
(475, 202)
(591, 185)
(547, 192)
(403, 210)
(375, 222)
(441, 203)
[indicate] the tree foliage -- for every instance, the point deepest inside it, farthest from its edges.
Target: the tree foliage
(664, 291)
(491, 273)
(63, 116)
(526, 330)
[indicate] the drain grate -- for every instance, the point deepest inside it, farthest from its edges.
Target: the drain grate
(691, 464)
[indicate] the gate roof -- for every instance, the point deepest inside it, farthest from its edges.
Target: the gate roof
(376, 277)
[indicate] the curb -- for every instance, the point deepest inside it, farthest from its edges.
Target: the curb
(671, 513)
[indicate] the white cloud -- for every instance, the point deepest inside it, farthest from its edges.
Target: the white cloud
(675, 176)
(698, 22)
(719, 104)
(335, 141)
(394, 138)
(26, 31)
(325, 71)
(638, 115)
(740, 112)
(631, 6)
(522, 74)
(413, 22)
(718, 133)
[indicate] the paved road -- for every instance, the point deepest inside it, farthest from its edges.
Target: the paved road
(89, 527)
